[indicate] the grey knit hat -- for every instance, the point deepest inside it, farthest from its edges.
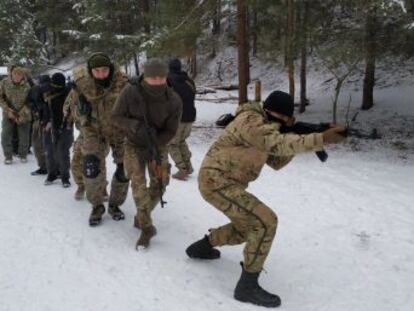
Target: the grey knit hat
(155, 67)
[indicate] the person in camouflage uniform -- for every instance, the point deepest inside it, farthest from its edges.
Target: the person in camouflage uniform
(250, 141)
(97, 88)
(148, 109)
(13, 99)
(71, 114)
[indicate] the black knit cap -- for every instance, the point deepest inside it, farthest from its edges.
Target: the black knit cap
(174, 65)
(99, 60)
(58, 80)
(279, 102)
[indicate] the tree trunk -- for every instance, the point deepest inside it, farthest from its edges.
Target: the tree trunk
(303, 57)
(370, 57)
(192, 61)
(217, 18)
(216, 29)
(254, 33)
(145, 9)
(247, 49)
(290, 47)
(242, 53)
(136, 64)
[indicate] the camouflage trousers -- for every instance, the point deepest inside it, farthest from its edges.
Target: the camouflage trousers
(37, 142)
(146, 197)
(76, 163)
(23, 132)
(178, 148)
(252, 222)
(96, 145)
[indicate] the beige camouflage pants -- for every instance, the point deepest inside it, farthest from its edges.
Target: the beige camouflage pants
(96, 145)
(76, 163)
(252, 222)
(146, 197)
(178, 148)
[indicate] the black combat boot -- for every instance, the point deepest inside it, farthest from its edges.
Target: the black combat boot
(96, 215)
(50, 179)
(115, 212)
(65, 182)
(248, 290)
(202, 249)
(40, 171)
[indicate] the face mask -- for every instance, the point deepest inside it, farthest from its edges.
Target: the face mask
(274, 119)
(55, 89)
(154, 90)
(105, 83)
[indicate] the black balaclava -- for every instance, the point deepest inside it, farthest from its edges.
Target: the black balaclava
(57, 82)
(279, 102)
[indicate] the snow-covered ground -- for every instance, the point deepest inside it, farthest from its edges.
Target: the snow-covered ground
(345, 239)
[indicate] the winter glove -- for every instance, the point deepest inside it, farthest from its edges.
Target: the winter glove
(334, 135)
(84, 107)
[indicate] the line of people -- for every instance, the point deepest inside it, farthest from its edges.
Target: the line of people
(142, 120)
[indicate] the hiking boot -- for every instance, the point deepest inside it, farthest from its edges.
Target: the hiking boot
(115, 212)
(80, 193)
(180, 175)
(40, 171)
(248, 290)
(8, 161)
(202, 249)
(50, 179)
(96, 215)
(105, 195)
(65, 182)
(23, 159)
(145, 237)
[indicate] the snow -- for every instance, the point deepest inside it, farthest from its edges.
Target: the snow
(345, 239)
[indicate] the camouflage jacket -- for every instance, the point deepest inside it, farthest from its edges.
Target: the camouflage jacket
(101, 101)
(248, 143)
(14, 96)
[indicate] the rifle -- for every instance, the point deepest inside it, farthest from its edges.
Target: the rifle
(154, 161)
(303, 128)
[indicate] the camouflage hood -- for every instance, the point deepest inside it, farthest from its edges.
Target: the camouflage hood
(254, 107)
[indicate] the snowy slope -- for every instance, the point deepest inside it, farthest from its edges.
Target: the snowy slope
(345, 239)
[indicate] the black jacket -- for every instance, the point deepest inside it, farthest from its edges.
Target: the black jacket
(185, 88)
(54, 113)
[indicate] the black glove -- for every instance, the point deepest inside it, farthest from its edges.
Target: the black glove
(120, 173)
(84, 106)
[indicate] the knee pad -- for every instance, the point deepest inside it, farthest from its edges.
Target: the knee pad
(91, 166)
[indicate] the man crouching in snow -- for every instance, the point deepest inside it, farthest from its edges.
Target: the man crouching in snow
(235, 159)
